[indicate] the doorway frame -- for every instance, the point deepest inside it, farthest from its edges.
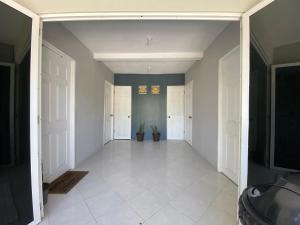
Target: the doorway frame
(35, 167)
(71, 159)
(104, 112)
(220, 109)
(11, 109)
(36, 47)
(273, 114)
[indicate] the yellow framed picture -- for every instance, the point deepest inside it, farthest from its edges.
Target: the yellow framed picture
(142, 89)
(155, 89)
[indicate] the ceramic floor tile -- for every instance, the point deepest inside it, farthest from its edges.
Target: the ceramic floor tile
(214, 216)
(61, 201)
(226, 202)
(203, 191)
(121, 215)
(128, 190)
(74, 214)
(166, 191)
(103, 203)
(190, 206)
(129, 182)
(92, 188)
(146, 204)
(169, 216)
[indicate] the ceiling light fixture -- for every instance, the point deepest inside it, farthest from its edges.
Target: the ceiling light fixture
(149, 69)
(148, 41)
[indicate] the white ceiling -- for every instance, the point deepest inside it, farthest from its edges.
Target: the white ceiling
(152, 47)
(12, 25)
(278, 23)
(62, 6)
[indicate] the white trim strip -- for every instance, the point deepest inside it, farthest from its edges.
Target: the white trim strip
(165, 56)
(47, 17)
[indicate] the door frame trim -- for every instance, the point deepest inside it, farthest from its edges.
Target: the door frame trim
(35, 154)
(220, 111)
(221, 16)
(273, 114)
(72, 155)
(35, 93)
(11, 109)
(112, 127)
(245, 83)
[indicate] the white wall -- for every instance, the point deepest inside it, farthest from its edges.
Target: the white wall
(205, 93)
(89, 90)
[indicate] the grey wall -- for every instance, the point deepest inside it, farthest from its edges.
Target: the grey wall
(7, 53)
(205, 93)
(89, 90)
(150, 109)
(287, 54)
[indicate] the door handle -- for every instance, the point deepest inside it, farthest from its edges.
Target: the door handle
(111, 115)
(190, 117)
(128, 116)
(169, 117)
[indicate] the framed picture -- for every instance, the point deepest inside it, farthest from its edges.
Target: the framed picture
(142, 89)
(155, 89)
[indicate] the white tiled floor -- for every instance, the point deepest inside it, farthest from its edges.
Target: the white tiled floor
(130, 183)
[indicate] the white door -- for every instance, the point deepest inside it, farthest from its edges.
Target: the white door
(55, 117)
(230, 100)
(175, 112)
(188, 114)
(108, 112)
(122, 114)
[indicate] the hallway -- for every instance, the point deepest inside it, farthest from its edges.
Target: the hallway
(146, 183)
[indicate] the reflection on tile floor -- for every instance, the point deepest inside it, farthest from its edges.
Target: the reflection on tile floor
(130, 183)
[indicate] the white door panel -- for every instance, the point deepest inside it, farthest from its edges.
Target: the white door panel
(230, 101)
(108, 112)
(55, 114)
(175, 112)
(122, 112)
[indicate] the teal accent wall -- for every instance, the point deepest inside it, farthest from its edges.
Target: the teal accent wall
(149, 108)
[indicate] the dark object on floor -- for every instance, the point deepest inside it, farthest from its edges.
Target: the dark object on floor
(156, 137)
(140, 137)
(272, 204)
(8, 211)
(46, 187)
(66, 182)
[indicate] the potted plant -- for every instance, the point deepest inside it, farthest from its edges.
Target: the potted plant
(141, 132)
(155, 133)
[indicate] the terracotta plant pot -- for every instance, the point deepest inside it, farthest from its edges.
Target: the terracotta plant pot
(156, 136)
(140, 136)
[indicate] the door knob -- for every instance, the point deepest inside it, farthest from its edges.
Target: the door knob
(169, 117)
(111, 115)
(128, 116)
(190, 117)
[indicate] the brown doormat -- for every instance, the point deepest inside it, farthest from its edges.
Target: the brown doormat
(66, 182)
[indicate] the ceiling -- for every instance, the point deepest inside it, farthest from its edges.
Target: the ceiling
(12, 30)
(61, 6)
(279, 22)
(151, 47)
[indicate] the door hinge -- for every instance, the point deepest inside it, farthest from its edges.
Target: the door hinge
(38, 119)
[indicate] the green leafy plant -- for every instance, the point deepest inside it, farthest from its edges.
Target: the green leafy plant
(155, 130)
(141, 128)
